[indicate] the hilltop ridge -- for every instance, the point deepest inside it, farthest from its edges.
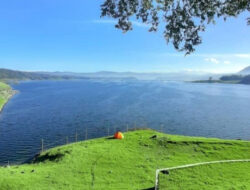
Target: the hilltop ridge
(130, 163)
(245, 71)
(7, 74)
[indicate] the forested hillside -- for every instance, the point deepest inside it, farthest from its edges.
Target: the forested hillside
(6, 74)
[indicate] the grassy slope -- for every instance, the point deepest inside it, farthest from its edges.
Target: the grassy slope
(5, 93)
(117, 164)
(217, 176)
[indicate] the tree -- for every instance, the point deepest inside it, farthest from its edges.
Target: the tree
(183, 19)
(231, 78)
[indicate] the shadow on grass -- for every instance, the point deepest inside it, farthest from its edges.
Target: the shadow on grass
(48, 157)
(151, 188)
(110, 138)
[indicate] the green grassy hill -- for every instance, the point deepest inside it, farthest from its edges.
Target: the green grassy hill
(5, 93)
(222, 176)
(131, 163)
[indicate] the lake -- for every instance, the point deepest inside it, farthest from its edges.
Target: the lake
(65, 111)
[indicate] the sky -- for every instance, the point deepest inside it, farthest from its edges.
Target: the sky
(60, 35)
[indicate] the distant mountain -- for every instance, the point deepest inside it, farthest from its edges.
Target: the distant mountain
(245, 71)
(6, 74)
(107, 75)
(245, 80)
(232, 78)
(174, 76)
(236, 79)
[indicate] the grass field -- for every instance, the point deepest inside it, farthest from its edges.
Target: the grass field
(131, 163)
(5, 93)
(222, 176)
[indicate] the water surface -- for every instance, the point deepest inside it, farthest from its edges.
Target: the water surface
(58, 110)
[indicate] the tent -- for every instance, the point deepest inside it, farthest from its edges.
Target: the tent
(119, 135)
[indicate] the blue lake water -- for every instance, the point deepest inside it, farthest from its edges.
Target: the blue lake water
(57, 110)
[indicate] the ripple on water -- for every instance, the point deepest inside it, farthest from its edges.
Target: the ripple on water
(54, 110)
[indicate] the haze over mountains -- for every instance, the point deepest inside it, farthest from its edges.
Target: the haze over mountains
(7, 74)
(245, 71)
(180, 76)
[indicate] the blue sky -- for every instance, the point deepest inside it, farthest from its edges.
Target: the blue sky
(60, 35)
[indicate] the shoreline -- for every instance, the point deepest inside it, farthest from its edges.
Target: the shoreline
(13, 93)
(216, 81)
(219, 82)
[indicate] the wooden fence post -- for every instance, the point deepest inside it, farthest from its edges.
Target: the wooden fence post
(86, 134)
(76, 137)
(42, 145)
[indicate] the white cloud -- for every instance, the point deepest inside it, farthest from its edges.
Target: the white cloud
(104, 21)
(223, 56)
(139, 24)
(242, 55)
(227, 62)
(212, 60)
(135, 23)
(188, 70)
(216, 61)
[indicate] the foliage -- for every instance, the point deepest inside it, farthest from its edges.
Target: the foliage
(236, 78)
(245, 80)
(183, 19)
(130, 163)
(231, 78)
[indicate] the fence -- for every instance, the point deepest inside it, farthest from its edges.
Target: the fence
(109, 130)
(65, 140)
(81, 135)
(191, 165)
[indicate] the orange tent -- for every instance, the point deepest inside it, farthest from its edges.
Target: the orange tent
(118, 135)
